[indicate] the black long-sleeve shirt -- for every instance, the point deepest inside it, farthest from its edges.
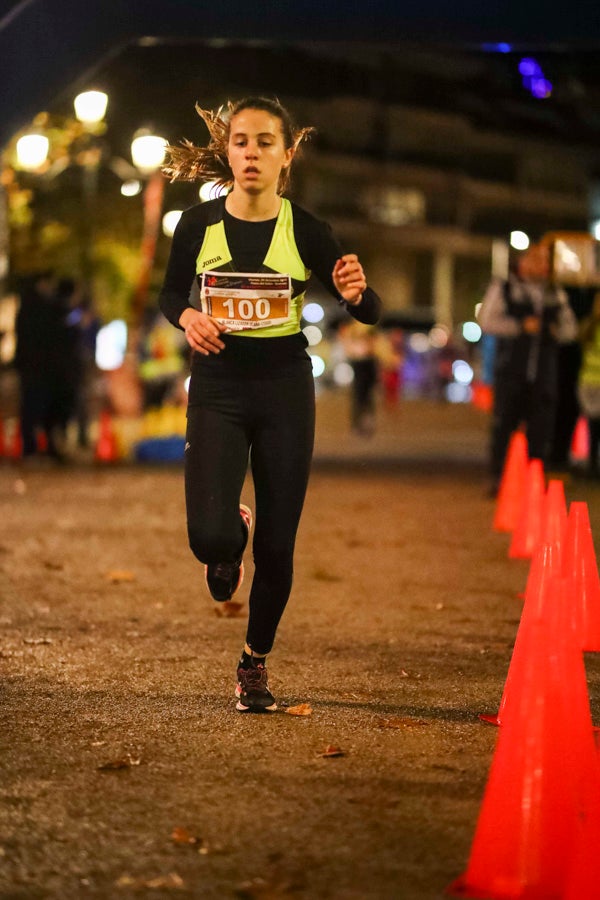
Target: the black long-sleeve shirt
(249, 243)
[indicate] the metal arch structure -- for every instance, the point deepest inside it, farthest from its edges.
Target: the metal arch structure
(47, 46)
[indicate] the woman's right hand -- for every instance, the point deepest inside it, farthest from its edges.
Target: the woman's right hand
(202, 331)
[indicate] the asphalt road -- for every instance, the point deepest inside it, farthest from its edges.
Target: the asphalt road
(125, 769)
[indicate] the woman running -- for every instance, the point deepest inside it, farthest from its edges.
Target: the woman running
(251, 394)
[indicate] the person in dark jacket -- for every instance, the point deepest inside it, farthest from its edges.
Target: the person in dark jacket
(41, 335)
(529, 317)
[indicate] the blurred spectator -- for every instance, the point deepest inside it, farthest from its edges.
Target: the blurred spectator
(40, 332)
(164, 353)
(390, 352)
(79, 370)
(529, 317)
(360, 346)
(589, 381)
(568, 410)
(441, 360)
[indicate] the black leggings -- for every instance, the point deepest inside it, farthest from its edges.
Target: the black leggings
(270, 420)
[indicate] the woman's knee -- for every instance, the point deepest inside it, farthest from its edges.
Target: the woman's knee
(208, 544)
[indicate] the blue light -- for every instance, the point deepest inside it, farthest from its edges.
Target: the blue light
(533, 78)
(541, 88)
(497, 48)
(530, 68)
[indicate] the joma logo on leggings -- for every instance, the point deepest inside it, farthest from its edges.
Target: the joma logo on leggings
(209, 262)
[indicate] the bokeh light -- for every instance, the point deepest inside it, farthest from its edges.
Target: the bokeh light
(32, 151)
(519, 240)
(462, 371)
(170, 220)
(131, 188)
(111, 344)
(458, 393)
(318, 365)
(210, 190)
(471, 332)
(313, 312)
(343, 374)
(418, 342)
(313, 335)
(439, 336)
(90, 106)
(148, 152)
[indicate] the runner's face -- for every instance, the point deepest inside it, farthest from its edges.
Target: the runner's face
(256, 150)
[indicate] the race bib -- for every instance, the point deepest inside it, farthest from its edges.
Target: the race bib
(246, 301)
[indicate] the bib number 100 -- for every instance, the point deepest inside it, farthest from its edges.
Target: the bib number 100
(247, 309)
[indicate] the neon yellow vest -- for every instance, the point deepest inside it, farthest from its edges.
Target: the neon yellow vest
(282, 256)
(590, 366)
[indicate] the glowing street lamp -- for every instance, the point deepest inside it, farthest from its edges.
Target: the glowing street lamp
(148, 152)
(32, 151)
(90, 106)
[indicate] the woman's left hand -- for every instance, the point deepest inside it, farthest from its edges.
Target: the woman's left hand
(349, 278)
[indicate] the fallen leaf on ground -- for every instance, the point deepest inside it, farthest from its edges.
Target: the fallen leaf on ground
(231, 609)
(125, 762)
(401, 722)
(183, 836)
(331, 750)
(172, 881)
(119, 575)
(324, 575)
(303, 709)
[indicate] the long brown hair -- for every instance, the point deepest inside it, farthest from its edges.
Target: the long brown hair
(187, 162)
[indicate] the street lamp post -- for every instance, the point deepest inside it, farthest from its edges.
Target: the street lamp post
(90, 109)
(148, 153)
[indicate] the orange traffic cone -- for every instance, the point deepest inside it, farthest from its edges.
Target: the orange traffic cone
(554, 513)
(580, 443)
(541, 772)
(107, 449)
(527, 532)
(512, 484)
(15, 446)
(544, 566)
(583, 879)
(554, 518)
(580, 566)
(42, 442)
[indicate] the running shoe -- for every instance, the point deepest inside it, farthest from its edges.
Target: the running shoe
(223, 579)
(252, 690)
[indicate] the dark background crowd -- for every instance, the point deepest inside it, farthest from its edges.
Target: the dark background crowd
(55, 338)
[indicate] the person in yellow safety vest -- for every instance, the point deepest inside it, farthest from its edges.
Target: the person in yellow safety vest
(161, 363)
(588, 388)
(252, 393)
